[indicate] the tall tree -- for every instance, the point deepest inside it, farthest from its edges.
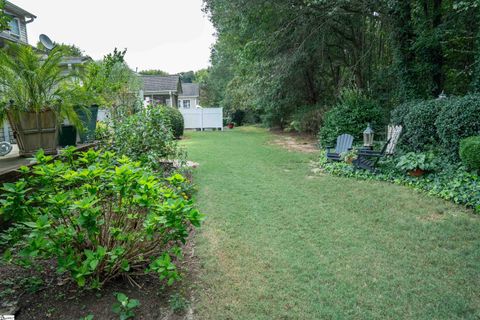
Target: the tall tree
(278, 56)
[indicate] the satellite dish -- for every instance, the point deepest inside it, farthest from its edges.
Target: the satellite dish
(46, 41)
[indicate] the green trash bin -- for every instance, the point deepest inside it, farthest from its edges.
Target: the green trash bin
(67, 136)
(89, 121)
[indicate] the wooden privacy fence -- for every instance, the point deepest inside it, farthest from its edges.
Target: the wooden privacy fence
(203, 118)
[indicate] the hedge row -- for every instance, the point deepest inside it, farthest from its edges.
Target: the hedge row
(438, 124)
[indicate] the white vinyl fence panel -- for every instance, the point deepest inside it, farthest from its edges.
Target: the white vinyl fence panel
(203, 118)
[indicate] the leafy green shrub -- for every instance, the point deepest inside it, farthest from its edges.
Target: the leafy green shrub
(308, 119)
(470, 152)
(457, 120)
(124, 306)
(99, 216)
(401, 111)
(146, 136)
(176, 120)
(418, 121)
(412, 161)
(351, 115)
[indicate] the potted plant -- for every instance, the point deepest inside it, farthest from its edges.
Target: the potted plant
(350, 155)
(35, 97)
(416, 164)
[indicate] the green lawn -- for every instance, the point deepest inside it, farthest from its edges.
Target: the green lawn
(279, 243)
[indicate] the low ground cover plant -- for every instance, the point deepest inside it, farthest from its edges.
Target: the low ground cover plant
(451, 182)
(412, 161)
(125, 306)
(99, 216)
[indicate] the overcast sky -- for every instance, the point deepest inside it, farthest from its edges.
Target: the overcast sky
(171, 35)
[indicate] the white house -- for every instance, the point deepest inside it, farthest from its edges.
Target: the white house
(190, 96)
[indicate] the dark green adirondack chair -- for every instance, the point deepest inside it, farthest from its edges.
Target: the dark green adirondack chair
(344, 143)
(368, 159)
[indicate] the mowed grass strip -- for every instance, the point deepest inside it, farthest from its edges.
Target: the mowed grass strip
(279, 243)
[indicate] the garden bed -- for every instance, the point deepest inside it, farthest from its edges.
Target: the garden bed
(47, 295)
(452, 183)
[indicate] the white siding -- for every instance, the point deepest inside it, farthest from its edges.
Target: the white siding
(193, 102)
(23, 31)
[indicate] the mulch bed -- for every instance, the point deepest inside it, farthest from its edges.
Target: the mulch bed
(58, 298)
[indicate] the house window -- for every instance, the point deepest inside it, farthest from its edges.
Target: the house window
(186, 104)
(14, 26)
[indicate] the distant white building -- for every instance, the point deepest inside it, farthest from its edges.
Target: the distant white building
(190, 96)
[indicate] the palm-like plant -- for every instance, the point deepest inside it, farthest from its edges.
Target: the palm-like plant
(32, 82)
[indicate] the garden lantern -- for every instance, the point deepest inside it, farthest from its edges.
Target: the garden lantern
(368, 137)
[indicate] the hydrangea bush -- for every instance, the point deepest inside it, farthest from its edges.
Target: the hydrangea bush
(99, 216)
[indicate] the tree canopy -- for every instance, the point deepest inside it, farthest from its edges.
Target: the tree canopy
(70, 50)
(154, 72)
(274, 57)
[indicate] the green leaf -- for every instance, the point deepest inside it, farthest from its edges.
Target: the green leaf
(93, 264)
(133, 303)
(121, 297)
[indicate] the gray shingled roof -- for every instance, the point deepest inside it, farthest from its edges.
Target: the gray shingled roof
(190, 90)
(12, 8)
(160, 83)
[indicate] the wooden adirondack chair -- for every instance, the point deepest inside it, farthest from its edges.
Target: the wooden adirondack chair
(368, 159)
(394, 133)
(344, 143)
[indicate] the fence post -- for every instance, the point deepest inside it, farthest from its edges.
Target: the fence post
(221, 111)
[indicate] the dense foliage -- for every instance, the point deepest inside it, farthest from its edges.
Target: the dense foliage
(98, 216)
(470, 153)
(351, 115)
(146, 136)
(438, 123)
(450, 182)
(176, 120)
(274, 57)
(459, 119)
(418, 122)
(110, 83)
